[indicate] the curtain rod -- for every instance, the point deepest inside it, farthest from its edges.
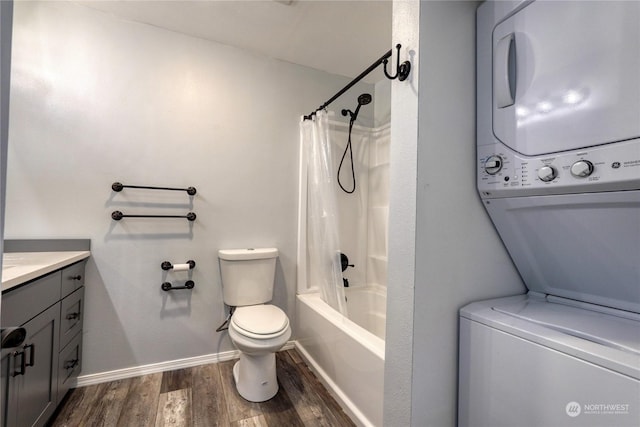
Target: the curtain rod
(402, 72)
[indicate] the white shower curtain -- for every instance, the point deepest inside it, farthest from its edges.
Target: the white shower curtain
(323, 243)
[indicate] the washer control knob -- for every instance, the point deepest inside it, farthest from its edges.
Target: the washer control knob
(547, 173)
(493, 165)
(582, 168)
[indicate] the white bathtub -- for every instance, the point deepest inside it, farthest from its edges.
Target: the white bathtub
(348, 358)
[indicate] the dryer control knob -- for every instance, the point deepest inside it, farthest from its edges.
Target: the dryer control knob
(493, 165)
(547, 173)
(582, 168)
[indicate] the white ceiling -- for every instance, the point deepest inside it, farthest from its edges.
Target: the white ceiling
(337, 36)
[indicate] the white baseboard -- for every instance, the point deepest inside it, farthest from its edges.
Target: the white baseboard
(343, 400)
(136, 371)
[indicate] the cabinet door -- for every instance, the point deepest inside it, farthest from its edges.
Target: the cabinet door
(37, 388)
(8, 402)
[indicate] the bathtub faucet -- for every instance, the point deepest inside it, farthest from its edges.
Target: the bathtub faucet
(344, 262)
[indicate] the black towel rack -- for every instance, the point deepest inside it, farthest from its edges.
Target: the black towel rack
(117, 215)
(167, 286)
(116, 186)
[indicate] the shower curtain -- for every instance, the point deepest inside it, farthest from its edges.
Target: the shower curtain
(323, 243)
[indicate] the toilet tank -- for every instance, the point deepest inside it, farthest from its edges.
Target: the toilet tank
(247, 275)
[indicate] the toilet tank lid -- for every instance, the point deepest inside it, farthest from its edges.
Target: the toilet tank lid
(245, 254)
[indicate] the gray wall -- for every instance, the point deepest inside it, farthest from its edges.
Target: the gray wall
(457, 256)
(6, 24)
(96, 100)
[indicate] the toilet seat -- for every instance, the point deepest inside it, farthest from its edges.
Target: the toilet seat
(262, 322)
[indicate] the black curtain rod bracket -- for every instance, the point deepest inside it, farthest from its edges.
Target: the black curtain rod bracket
(117, 187)
(117, 216)
(402, 72)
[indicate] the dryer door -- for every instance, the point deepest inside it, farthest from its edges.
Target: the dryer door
(565, 76)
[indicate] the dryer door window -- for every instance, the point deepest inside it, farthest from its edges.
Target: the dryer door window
(565, 76)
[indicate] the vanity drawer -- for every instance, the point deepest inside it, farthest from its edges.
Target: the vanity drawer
(72, 277)
(69, 365)
(25, 302)
(71, 311)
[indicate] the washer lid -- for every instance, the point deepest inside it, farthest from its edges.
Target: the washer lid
(604, 328)
(264, 319)
(581, 332)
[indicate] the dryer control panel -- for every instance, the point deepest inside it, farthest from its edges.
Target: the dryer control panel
(504, 173)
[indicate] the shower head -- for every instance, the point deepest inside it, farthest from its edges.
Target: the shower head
(363, 99)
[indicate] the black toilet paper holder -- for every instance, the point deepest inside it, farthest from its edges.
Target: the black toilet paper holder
(166, 265)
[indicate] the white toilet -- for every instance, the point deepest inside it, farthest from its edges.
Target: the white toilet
(257, 329)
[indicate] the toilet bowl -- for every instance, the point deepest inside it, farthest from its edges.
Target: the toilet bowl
(258, 332)
(257, 329)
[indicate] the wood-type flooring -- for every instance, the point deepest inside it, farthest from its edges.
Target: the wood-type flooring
(203, 396)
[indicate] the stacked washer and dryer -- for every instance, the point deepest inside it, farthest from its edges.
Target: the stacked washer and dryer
(558, 149)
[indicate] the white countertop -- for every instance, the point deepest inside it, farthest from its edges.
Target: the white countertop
(20, 267)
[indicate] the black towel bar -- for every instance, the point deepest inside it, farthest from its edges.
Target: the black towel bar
(116, 186)
(117, 215)
(167, 286)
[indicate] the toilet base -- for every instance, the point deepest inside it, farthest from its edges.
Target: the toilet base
(255, 376)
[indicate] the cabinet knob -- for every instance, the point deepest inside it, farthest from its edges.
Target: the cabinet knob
(77, 277)
(72, 316)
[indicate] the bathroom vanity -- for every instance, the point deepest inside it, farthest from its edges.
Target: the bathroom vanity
(42, 292)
